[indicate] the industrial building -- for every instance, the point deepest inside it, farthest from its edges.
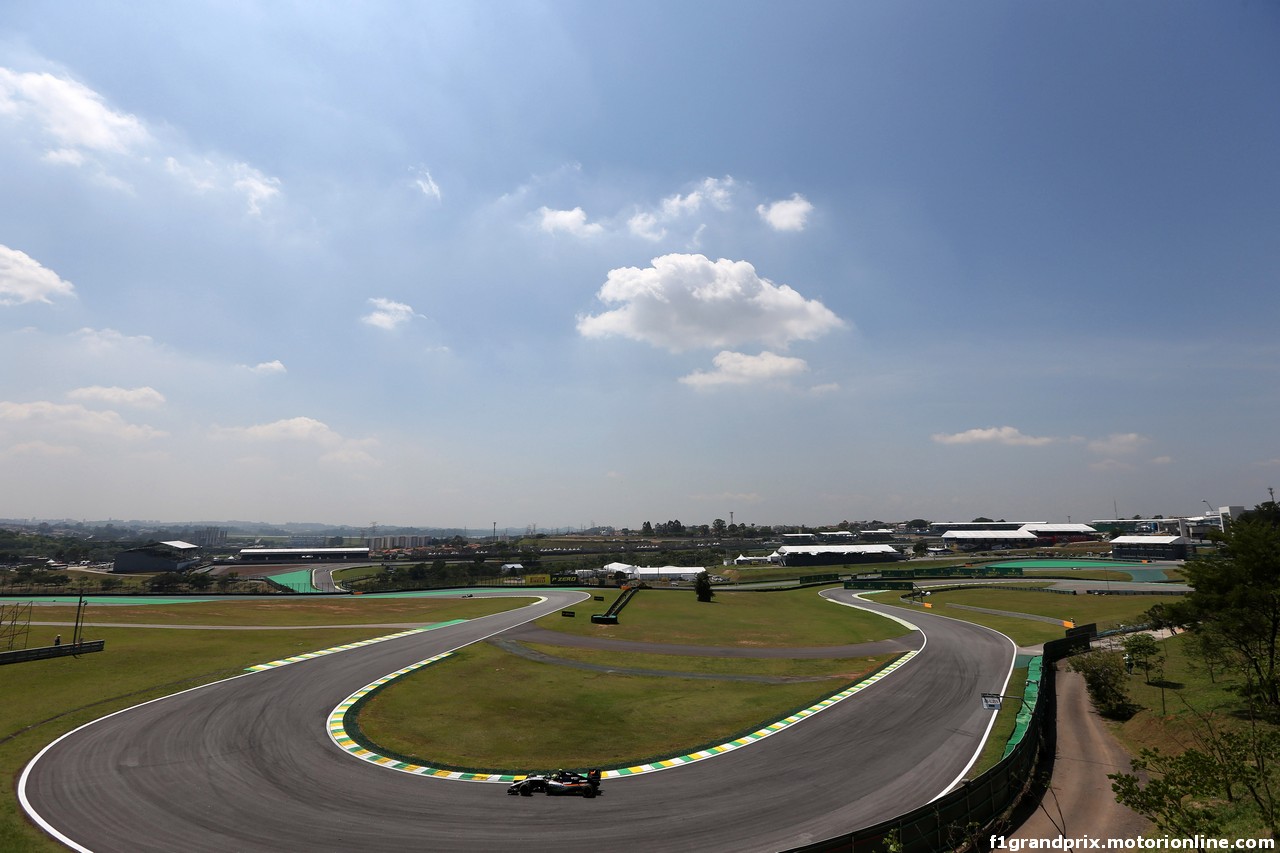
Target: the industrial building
(1151, 548)
(300, 555)
(172, 556)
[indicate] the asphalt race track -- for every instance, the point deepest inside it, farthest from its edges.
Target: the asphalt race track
(247, 765)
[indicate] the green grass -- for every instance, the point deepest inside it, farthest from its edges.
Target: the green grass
(741, 619)
(1172, 722)
(464, 712)
(1081, 574)
(847, 668)
(1006, 720)
(356, 573)
(1106, 610)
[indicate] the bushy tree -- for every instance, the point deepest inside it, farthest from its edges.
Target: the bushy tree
(702, 587)
(1143, 650)
(1104, 678)
(1236, 597)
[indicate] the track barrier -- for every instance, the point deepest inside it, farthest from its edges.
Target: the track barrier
(968, 813)
(60, 651)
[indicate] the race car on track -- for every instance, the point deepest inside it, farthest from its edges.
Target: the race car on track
(560, 783)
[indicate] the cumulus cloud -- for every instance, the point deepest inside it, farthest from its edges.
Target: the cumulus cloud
(735, 368)
(685, 302)
(717, 192)
(388, 314)
(24, 279)
(300, 429)
(1118, 443)
(646, 226)
(143, 398)
(426, 184)
(1006, 435)
(572, 222)
(788, 214)
(267, 367)
(44, 416)
(306, 432)
(70, 115)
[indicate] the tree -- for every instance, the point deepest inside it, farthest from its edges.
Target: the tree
(1104, 678)
(1267, 512)
(920, 547)
(1143, 650)
(702, 587)
(1236, 595)
(982, 519)
(718, 527)
(1174, 795)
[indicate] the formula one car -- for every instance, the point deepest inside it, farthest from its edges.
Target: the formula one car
(560, 783)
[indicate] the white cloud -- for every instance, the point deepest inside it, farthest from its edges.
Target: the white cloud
(305, 432)
(202, 179)
(787, 215)
(1162, 460)
(651, 224)
(267, 367)
(735, 368)
(718, 192)
(70, 114)
(44, 416)
(143, 398)
(24, 279)
(64, 157)
(255, 186)
(426, 184)
(686, 302)
(569, 221)
(299, 429)
(1118, 443)
(1110, 465)
(388, 315)
(101, 340)
(645, 225)
(1006, 435)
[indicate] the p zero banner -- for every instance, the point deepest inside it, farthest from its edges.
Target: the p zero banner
(564, 580)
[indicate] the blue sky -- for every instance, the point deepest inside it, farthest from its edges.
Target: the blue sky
(566, 263)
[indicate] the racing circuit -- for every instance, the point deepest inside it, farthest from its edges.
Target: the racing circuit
(248, 763)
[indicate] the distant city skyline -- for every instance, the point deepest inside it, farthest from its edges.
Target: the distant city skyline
(559, 261)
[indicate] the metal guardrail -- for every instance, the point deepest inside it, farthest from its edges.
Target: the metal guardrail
(948, 822)
(43, 652)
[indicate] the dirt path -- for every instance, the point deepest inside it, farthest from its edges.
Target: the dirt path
(1079, 801)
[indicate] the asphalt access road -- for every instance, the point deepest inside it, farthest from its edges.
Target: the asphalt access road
(247, 765)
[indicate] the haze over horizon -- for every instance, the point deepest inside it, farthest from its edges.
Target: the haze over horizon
(559, 262)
